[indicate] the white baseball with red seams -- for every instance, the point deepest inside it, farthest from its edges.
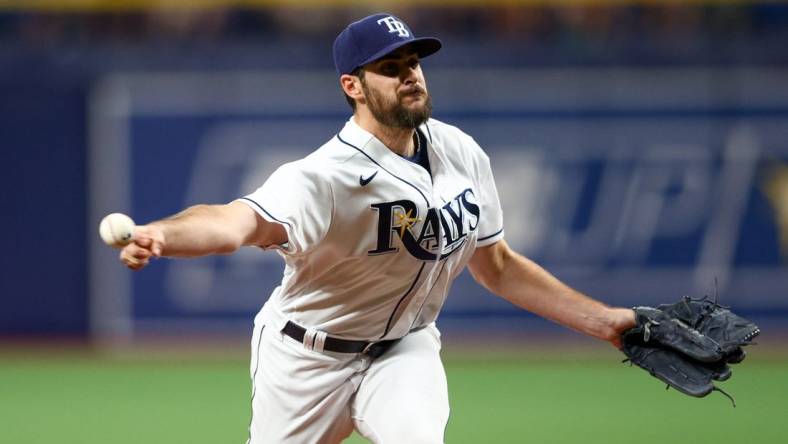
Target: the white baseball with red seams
(374, 244)
(116, 230)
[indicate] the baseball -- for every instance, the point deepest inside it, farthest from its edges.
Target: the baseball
(116, 230)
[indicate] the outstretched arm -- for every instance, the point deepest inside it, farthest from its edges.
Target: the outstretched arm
(199, 231)
(527, 285)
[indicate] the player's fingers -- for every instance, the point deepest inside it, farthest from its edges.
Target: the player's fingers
(136, 264)
(130, 261)
(135, 251)
(157, 246)
(140, 253)
(137, 267)
(126, 257)
(150, 237)
(142, 238)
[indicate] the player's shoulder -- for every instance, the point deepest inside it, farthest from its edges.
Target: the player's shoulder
(441, 129)
(333, 152)
(321, 164)
(301, 180)
(453, 140)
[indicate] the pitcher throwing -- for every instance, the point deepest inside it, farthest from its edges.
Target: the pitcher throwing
(373, 227)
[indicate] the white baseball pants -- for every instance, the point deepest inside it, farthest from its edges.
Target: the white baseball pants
(301, 396)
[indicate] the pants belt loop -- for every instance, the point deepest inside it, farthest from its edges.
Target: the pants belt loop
(309, 339)
(319, 341)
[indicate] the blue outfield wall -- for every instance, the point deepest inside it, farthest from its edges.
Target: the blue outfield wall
(43, 275)
(634, 184)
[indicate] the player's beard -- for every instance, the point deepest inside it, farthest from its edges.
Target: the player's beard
(395, 115)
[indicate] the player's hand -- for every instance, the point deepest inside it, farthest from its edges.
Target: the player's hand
(621, 320)
(148, 242)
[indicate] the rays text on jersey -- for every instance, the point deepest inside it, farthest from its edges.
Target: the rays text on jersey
(421, 236)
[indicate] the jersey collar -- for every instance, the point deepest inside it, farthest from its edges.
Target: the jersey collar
(362, 139)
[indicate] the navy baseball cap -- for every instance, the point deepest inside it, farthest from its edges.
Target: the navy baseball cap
(373, 37)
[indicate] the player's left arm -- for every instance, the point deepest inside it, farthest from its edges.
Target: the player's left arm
(524, 283)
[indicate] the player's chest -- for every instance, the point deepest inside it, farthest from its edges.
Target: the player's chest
(406, 211)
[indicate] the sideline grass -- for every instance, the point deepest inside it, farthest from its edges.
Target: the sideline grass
(83, 400)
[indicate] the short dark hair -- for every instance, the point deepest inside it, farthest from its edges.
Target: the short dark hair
(358, 72)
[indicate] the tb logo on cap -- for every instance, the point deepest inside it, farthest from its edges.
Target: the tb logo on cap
(395, 26)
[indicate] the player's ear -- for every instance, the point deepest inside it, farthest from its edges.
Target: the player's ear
(351, 85)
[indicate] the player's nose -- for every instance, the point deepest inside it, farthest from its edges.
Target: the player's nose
(409, 75)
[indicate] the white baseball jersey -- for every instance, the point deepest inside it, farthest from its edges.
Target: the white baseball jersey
(375, 240)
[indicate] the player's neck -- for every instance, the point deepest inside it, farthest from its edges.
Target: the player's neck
(398, 140)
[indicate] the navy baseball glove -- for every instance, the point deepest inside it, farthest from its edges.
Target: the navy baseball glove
(689, 344)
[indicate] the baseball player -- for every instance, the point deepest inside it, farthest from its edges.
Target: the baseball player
(373, 227)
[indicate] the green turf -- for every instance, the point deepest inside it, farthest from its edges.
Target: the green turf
(86, 401)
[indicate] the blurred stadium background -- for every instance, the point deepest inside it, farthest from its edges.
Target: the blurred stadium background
(640, 149)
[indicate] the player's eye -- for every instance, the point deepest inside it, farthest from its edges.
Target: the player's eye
(389, 69)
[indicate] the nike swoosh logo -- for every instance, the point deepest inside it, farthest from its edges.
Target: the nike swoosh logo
(364, 182)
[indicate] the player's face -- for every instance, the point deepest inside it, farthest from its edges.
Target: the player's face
(395, 90)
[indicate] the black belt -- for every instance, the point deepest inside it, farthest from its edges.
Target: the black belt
(371, 349)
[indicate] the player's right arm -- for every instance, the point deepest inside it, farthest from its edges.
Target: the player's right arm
(201, 230)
